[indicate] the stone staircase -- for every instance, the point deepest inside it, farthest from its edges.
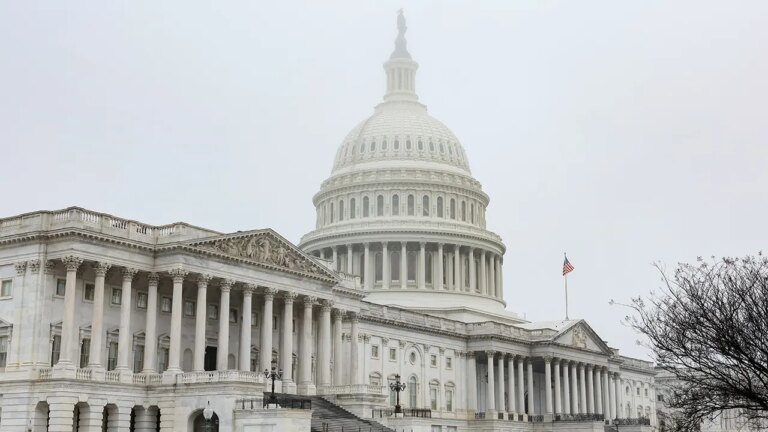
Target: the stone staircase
(329, 417)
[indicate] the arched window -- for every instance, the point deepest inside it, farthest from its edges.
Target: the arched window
(374, 379)
(397, 145)
(379, 266)
(453, 208)
(428, 267)
(450, 149)
(380, 205)
(384, 145)
(410, 205)
(439, 207)
(466, 272)
(395, 205)
(412, 392)
(442, 148)
(366, 206)
(352, 209)
(449, 390)
(425, 205)
(472, 213)
(362, 148)
(408, 144)
(362, 267)
(394, 265)
(373, 145)
(421, 145)
(434, 387)
(463, 211)
(431, 146)
(331, 213)
(341, 210)
(412, 266)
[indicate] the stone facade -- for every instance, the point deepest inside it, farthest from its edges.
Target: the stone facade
(113, 324)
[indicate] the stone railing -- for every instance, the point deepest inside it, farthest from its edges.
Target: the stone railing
(579, 417)
(45, 373)
(352, 389)
(220, 376)
(84, 374)
(636, 363)
(77, 217)
(147, 379)
(112, 376)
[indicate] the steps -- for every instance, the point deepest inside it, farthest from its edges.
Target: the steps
(329, 417)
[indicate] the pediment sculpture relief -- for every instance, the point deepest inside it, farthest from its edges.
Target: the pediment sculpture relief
(263, 249)
(579, 338)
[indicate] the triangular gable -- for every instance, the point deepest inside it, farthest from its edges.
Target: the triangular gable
(581, 336)
(265, 248)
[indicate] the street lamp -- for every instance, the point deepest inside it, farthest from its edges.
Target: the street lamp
(208, 415)
(397, 387)
(275, 374)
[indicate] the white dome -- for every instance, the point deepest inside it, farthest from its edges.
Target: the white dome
(399, 132)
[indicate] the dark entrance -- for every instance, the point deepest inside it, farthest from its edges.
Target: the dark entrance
(209, 363)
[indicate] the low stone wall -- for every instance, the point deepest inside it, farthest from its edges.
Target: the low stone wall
(273, 420)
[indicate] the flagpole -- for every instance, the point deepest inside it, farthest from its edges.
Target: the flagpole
(566, 295)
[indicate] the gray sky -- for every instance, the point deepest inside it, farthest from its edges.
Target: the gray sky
(621, 132)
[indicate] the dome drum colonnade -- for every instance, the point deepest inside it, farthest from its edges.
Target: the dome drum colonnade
(571, 388)
(329, 340)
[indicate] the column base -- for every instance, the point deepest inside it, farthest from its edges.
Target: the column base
(289, 387)
(169, 376)
(125, 376)
(64, 369)
(97, 373)
(307, 389)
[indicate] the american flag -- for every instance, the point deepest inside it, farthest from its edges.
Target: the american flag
(567, 266)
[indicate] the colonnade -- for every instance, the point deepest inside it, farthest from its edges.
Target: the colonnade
(326, 348)
(570, 387)
(403, 265)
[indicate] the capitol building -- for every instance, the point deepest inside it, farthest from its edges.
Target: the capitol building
(111, 324)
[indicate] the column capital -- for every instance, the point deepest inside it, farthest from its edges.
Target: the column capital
(338, 314)
(384, 244)
(152, 278)
(349, 246)
(470, 354)
(226, 285)
(269, 293)
(21, 268)
(589, 367)
(353, 316)
(309, 301)
(482, 253)
(289, 296)
(34, 266)
(178, 274)
(129, 273)
(490, 353)
(440, 244)
(72, 262)
(334, 248)
(548, 359)
(326, 305)
(50, 266)
(248, 289)
(617, 375)
(202, 280)
(367, 244)
(422, 244)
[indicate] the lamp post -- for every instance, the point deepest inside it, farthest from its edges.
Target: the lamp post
(208, 415)
(397, 387)
(273, 375)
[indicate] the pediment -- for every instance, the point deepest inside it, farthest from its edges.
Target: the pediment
(264, 248)
(581, 336)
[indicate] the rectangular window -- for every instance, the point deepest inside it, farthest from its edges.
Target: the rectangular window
(233, 316)
(165, 304)
(433, 398)
(3, 350)
(274, 322)
(393, 354)
(85, 351)
(141, 301)
(433, 360)
(436, 428)
(61, 287)
(254, 364)
(55, 349)
(254, 319)
(638, 391)
(451, 429)
(293, 326)
(89, 292)
(112, 356)
(5, 288)
(117, 296)
(449, 400)
(213, 312)
(660, 398)
(162, 359)
(375, 351)
(449, 362)
(189, 308)
(138, 359)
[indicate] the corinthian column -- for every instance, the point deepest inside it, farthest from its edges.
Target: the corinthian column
(582, 390)
(483, 274)
(548, 384)
(499, 279)
(599, 390)
(97, 319)
(200, 320)
(511, 384)
(472, 271)
(490, 393)
(403, 265)
(174, 351)
(612, 395)
(286, 343)
(244, 358)
(335, 258)
(437, 282)
(500, 403)
(422, 265)
(521, 385)
(566, 388)
(324, 345)
(366, 271)
(150, 330)
(125, 345)
(531, 407)
(338, 363)
(305, 362)
(68, 323)
(575, 390)
(349, 259)
(353, 350)
(385, 270)
(492, 275)
(458, 283)
(265, 351)
(558, 398)
(222, 351)
(590, 390)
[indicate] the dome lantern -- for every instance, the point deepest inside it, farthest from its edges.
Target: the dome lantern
(400, 68)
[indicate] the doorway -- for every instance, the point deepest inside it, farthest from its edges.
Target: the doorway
(209, 363)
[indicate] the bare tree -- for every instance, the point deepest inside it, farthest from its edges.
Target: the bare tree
(709, 328)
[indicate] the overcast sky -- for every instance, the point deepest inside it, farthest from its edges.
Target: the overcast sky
(621, 132)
